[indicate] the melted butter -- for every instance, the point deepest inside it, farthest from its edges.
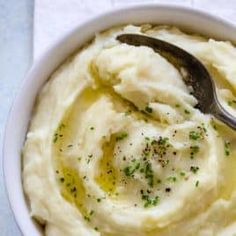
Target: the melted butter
(107, 175)
(228, 175)
(229, 185)
(72, 188)
(70, 183)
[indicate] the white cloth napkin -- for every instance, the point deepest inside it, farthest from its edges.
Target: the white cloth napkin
(52, 19)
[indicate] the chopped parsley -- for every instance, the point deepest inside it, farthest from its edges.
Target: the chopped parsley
(172, 179)
(177, 105)
(92, 128)
(194, 169)
(199, 134)
(144, 167)
(194, 150)
(89, 158)
(87, 218)
(149, 174)
(186, 111)
(202, 128)
(150, 201)
(197, 183)
(121, 136)
(148, 109)
(55, 138)
(231, 102)
(227, 148)
(57, 134)
(194, 135)
(129, 170)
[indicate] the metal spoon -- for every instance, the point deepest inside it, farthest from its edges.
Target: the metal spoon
(196, 74)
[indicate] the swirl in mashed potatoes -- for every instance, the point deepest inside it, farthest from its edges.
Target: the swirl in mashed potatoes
(117, 147)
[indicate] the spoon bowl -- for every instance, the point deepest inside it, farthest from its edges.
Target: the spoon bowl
(194, 73)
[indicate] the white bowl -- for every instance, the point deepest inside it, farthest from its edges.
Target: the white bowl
(186, 18)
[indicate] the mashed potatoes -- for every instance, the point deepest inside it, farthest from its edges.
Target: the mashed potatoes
(116, 147)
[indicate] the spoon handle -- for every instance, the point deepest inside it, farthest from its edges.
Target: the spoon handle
(220, 113)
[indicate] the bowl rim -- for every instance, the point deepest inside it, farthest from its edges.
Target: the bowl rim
(39, 61)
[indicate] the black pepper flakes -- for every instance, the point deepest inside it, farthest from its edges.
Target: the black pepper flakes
(168, 190)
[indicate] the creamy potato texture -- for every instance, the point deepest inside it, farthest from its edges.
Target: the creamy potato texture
(117, 147)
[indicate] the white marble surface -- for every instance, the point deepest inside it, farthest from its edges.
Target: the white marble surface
(15, 59)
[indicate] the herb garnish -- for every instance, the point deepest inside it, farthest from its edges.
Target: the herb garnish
(194, 150)
(149, 174)
(160, 146)
(150, 201)
(227, 148)
(197, 183)
(89, 158)
(87, 218)
(194, 169)
(186, 111)
(198, 135)
(172, 179)
(177, 105)
(148, 109)
(182, 173)
(231, 102)
(194, 135)
(129, 170)
(57, 134)
(121, 136)
(55, 138)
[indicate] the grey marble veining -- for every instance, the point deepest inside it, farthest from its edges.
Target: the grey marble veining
(15, 59)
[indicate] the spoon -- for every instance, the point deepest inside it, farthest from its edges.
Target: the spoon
(193, 71)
